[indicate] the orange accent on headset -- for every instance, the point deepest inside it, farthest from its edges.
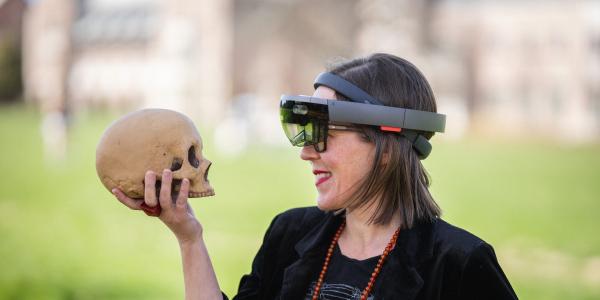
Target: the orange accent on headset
(392, 129)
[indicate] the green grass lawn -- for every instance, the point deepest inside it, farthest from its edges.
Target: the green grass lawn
(64, 237)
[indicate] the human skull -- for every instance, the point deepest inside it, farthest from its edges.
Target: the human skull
(152, 139)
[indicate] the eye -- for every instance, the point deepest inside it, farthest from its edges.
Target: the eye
(176, 164)
(192, 157)
(333, 133)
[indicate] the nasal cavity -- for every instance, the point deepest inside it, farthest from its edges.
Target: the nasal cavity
(206, 173)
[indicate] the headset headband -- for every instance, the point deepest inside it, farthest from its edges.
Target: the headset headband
(402, 118)
(344, 87)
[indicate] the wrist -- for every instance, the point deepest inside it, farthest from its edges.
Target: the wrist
(190, 240)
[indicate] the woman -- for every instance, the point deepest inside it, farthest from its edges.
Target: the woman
(376, 231)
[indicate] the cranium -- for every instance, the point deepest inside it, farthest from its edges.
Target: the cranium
(152, 139)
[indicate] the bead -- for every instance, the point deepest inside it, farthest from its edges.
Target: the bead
(375, 273)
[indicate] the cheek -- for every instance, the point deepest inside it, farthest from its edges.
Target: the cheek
(354, 168)
(359, 157)
(353, 174)
(350, 158)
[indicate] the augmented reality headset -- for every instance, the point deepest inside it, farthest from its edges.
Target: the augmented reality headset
(306, 120)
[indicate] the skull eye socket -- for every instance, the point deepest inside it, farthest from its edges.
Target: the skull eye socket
(192, 157)
(176, 164)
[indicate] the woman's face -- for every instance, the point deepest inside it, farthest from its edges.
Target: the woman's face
(340, 168)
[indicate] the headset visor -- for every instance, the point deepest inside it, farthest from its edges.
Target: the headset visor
(305, 121)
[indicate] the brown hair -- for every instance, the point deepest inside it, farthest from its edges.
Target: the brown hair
(401, 183)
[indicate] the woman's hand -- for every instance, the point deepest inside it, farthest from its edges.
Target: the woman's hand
(174, 210)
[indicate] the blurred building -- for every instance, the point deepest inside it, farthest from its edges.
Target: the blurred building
(11, 15)
(528, 67)
(83, 54)
(512, 67)
(516, 68)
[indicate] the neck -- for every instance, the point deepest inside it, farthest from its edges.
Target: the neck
(361, 240)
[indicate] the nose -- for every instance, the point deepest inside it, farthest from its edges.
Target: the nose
(309, 153)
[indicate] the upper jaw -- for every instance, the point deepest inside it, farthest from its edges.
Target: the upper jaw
(207, 193)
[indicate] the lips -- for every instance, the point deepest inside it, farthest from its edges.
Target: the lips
(321, 176)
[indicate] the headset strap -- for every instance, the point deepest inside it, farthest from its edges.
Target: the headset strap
(344, 87)
(419, 142)
(356, 94)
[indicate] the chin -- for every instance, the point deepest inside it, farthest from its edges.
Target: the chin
(327, 204)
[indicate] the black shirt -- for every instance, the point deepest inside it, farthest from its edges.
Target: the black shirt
(433, 260)
(346, 278)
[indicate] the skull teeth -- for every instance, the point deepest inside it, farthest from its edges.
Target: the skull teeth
(202, 194)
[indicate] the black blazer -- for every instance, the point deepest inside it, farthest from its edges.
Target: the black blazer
(432, 260)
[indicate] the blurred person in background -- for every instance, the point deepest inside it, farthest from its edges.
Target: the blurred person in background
(376, 232)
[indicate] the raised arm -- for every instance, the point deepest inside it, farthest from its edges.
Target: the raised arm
(199, 276)
(198, 273)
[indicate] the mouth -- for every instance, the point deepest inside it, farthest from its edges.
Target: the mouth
(176, 187)
(321, 176)
(201, 194)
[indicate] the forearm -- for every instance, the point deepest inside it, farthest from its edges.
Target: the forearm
(198, 273)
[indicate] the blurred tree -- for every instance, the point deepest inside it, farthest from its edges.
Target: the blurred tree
(11, 85)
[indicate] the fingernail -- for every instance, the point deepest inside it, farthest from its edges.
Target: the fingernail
(114, 191)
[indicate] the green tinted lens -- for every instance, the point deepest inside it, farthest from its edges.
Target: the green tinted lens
(299, 135)
(313, 133)
(302, 123)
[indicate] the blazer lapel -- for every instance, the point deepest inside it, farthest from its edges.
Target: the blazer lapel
(399, 278)
(311, 250)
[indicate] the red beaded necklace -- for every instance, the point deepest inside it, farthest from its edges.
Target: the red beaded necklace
(369, 287)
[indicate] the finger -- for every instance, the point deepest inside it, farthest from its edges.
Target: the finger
(182, 198)
(165, 189)
(131, 203)
(150, 189)
(151, 211)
